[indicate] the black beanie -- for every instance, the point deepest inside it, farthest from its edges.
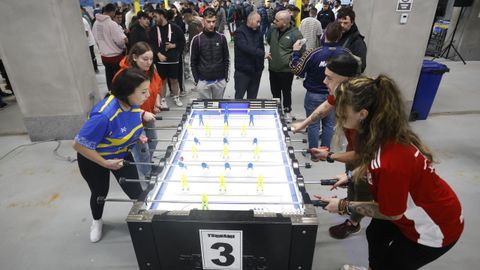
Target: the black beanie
(344, 64)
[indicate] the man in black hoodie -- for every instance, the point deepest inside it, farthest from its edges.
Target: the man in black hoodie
(351, 37)
(209, 59)
(167, 41)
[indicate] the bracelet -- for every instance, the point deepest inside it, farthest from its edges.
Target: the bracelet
(347, 209)
(329, 157)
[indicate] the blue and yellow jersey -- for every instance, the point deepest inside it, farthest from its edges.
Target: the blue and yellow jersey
(110, 130)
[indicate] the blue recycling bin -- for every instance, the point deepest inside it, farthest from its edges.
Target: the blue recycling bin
(427, 87)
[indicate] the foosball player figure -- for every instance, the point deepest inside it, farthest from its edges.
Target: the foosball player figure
(250, 122)
(225, 152)
(196, 141)
(223, 187)
(260, 183)
(227, 167)
(225, 141)
(250, 169)
(225, 129)
(243, 131)
(194, 152)
(208, 132)
(204, 166)
(189, 129)
(255, 141)
(182, 165)
(225, 119)
(200, 119)
(183, 182)
(204, 201)
(256, 152)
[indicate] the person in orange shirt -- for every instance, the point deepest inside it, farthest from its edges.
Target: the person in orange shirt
(141, 56)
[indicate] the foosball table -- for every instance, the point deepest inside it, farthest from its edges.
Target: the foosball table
(227, 194)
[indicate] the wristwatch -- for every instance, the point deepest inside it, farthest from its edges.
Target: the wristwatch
(329, 157)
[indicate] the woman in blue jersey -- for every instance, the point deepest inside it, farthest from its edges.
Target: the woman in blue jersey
(114, 126)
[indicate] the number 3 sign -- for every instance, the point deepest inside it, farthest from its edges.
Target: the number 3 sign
(221, 249)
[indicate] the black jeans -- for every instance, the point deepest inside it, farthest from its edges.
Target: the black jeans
(98, 180)
(247, 83)
(281, 87)
(389, 249)
(110, 71)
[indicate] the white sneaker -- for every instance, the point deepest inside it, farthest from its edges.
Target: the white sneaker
(96, 230)
(177, 101)
(163, 104)
(352, 267)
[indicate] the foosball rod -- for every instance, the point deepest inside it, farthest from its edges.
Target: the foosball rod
(220, 163)
(122, 180)
(101, 200)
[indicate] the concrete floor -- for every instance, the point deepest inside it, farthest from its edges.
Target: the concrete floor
(46, 216)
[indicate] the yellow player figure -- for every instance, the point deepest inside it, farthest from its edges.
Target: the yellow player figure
(189, 129)
(225, 129)
(244, 130)
(256, 152)
(225, 153)
(183, 182)
(204, 201)
(194, 152)
(223, 187)
(260, 183)
(208, 132)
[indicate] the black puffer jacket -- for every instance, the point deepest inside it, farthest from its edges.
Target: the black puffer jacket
(209, 58)
(353, 40)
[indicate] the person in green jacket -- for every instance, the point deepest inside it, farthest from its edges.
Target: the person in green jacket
(281, 39)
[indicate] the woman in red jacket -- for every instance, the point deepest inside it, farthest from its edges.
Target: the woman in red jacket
(416, 216)
(141, 56)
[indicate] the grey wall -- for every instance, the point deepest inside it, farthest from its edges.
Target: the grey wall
(469, 32)
(394, 49)
(45, 52)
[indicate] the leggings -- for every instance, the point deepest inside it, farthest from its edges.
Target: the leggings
(98, 180)
(389, 249)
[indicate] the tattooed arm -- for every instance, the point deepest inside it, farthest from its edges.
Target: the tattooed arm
(368, 209)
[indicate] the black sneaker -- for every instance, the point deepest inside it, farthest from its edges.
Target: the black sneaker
(3, 94)
(3, 105)
(343, 230)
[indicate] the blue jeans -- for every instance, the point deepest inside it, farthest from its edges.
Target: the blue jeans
(141, 152)
(311, 102)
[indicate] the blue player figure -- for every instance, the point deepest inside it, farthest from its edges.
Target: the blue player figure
(225, 140)
(250, 166)
(200, 119)
(227, 166)
(204, 166)
(226, 109)
(255, 141)
(196, 140)
(182, 165)
(250, 123)
(225, 119)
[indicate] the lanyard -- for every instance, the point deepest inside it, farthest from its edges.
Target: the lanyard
(159, 34)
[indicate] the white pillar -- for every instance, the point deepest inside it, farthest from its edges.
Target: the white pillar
(44, 48)
(395, 49)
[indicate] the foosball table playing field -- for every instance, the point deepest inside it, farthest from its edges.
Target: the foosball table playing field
(228, 194)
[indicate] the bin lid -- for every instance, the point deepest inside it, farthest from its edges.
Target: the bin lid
(432, 66)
